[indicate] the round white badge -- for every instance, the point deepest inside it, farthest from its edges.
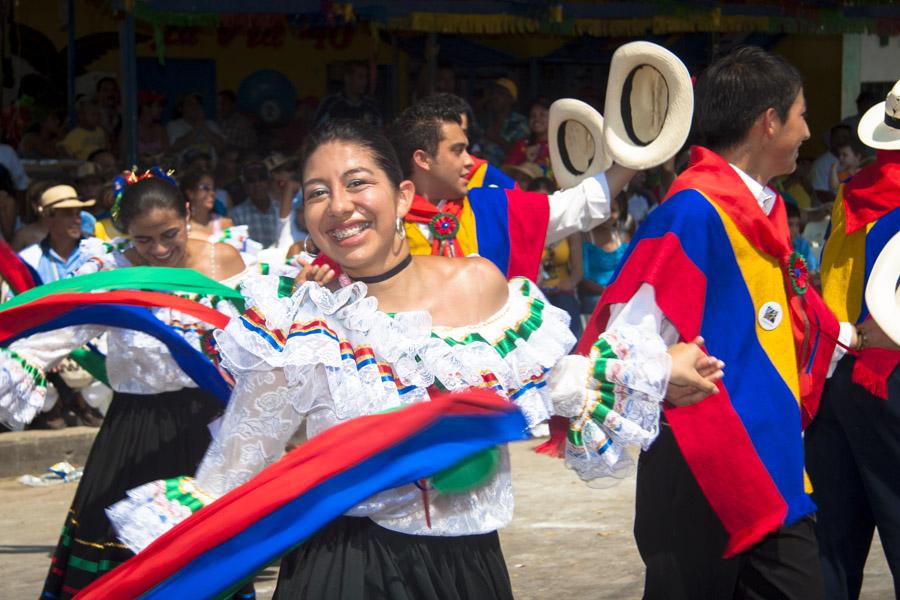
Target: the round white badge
(770, 315)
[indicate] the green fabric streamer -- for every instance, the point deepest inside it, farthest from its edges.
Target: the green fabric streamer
(159, 279)
(92, 362)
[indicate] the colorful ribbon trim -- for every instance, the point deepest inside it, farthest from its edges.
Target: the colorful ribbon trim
(230, 540)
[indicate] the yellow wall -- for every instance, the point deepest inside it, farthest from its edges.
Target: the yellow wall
(819, 60)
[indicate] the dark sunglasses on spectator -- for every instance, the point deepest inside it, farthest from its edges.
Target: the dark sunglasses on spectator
(205, 187)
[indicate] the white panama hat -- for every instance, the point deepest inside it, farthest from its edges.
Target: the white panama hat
(882, 295)
(649, 105)
(880, 127)
(575, 135)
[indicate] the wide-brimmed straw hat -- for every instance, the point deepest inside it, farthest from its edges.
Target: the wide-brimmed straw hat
(62, 196)
(649, 105)
(880, 126)
(575, 136)
(882, 295)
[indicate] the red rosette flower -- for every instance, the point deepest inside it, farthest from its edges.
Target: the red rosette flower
(798, 272)
(444, 226)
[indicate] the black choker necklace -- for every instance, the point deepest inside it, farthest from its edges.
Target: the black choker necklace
(387, 274)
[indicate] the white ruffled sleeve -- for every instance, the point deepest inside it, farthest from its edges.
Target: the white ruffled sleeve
(23, 386)
(612, 397)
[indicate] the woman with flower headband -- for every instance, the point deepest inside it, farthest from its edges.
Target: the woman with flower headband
(157, 423)
(406, 326)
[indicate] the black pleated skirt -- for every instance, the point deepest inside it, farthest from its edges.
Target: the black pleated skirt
(355, 559)
(143, 438)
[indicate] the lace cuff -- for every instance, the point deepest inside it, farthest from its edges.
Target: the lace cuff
(154, 508)
(23, 389)
(612, 397)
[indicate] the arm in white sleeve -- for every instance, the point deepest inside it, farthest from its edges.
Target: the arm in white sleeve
(845, 335)
(580, 208)
(23, 385)
(613, 395)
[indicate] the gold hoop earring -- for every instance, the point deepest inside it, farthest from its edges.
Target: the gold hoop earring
(399, 227)
(310, 248)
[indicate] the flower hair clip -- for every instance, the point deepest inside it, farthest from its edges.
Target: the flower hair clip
(129, 177)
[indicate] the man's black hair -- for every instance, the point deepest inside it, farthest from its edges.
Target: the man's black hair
(419, 128)
(735, 90)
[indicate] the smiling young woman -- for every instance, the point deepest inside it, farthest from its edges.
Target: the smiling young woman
(420, 324)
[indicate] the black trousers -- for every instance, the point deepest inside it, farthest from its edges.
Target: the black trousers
(853, 457)
(681, 541)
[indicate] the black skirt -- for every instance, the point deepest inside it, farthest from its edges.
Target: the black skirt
(143, 438)
(355, 559)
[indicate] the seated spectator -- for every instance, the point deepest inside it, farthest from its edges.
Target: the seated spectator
(603, 249)
(850, 158)
(107, 164)
(641, 199)
(797, 188)
(88, 181)
(258, 212)
(87, 136)
(838, 136)
(109, 99)
(57, 255)
(193, 131)
(199, 188)
(801, 245)
(228, 176)
(503, 127)
(152, 138)
(351, 102)
(34, 228)
(41, 139)
(237, 129)
(535, 148)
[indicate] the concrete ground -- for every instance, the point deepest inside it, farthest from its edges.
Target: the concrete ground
(564, 538)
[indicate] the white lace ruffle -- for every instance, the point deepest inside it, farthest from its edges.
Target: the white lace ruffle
(22, 393)
(147, 513)
(332, 356)
(637, 368)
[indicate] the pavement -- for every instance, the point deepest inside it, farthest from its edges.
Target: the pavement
(567, 540)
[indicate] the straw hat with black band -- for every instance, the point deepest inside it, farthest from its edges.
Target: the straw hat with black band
(879, 128)
(649, 107)
(61, 196)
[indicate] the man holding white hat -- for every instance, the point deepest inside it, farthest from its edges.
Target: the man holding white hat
(853, 446)
(58, 255)
(722, 510)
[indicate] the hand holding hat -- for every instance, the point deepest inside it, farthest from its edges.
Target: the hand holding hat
(649, 108)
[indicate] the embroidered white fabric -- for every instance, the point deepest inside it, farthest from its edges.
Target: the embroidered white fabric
(639, 374)
(312, 376)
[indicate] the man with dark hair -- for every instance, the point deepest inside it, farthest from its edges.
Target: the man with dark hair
(351, 102)
(722, 509)
(483, 173)
(507, 226)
